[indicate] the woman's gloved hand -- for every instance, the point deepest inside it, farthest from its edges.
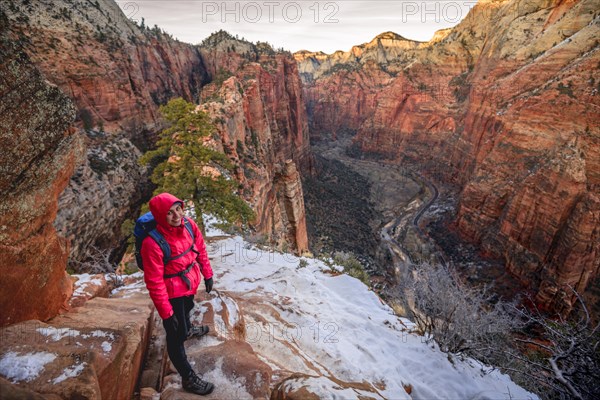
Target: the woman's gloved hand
(209, 284)
(171, 324)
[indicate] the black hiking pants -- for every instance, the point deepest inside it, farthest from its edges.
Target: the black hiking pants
(176, 338)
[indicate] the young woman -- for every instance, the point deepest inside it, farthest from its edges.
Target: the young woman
(172, 286)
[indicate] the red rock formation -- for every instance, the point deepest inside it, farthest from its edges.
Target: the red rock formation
(101, 344)
(535, 170)
(116, 74)
(259, 115)
(505, 105)
(38, 157)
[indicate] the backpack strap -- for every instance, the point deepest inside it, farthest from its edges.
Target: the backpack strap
(188, 226)
(182, 274)
(162, 242)
(166, 249)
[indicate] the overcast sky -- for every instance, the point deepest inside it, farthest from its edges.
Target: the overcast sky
(300, 24)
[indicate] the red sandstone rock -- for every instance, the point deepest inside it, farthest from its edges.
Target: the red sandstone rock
(86, 287)
(116, 74)
(98, 349)
(38, 157)
(262, 127)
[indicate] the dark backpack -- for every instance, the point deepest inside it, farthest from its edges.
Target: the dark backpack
(146, 226)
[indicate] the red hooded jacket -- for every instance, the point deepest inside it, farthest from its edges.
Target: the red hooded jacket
(162, 289)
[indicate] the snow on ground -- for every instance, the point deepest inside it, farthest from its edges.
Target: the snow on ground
(226, 387)
(137, 286)
(342, 329)
(111, 276)
(100, 333)
(69, 372)
(24, 367)
(210, 223)
(83, 281)
(56, 334)
(235, 389)
(106, 346)
(326, 389)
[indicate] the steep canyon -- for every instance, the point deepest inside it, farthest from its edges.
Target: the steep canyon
(505, 107)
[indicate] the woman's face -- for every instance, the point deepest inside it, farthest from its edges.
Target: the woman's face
(174, 215)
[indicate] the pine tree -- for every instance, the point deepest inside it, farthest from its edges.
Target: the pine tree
(186, 167)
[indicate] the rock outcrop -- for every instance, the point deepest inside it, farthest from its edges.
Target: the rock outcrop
(105, 190)
(258, 110)
(95, 351)
(39, 154)
(504, 105)
(118, 73)
(384, 48)
(281, 327)
(535, 168)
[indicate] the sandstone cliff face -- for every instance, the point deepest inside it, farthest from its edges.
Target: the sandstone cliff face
(384, 48)
(533, 130)
(39, 154)
(118, 74)
(505, 105)
(261, 123)
(93, 352)
(111, 166)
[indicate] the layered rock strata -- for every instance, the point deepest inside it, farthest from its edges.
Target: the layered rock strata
(504, 105)
(259, 114)
(117, 74)
(94, 352)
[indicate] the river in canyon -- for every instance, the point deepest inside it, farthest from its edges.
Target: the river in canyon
(391, 216)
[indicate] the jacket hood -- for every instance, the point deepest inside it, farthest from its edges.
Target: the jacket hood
(160, 206)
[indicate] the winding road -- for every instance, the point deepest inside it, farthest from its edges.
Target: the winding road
(424, 237)
(397, 226)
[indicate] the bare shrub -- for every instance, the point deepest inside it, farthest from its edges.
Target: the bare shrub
(565, 357)
(96, 261)
(461, 319)
(554, 357)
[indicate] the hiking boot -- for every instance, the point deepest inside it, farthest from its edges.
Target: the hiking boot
(197, 331)
(194, 384)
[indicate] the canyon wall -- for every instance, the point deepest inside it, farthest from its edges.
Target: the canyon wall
(259, 114)
(118, 74)
(504, 105)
